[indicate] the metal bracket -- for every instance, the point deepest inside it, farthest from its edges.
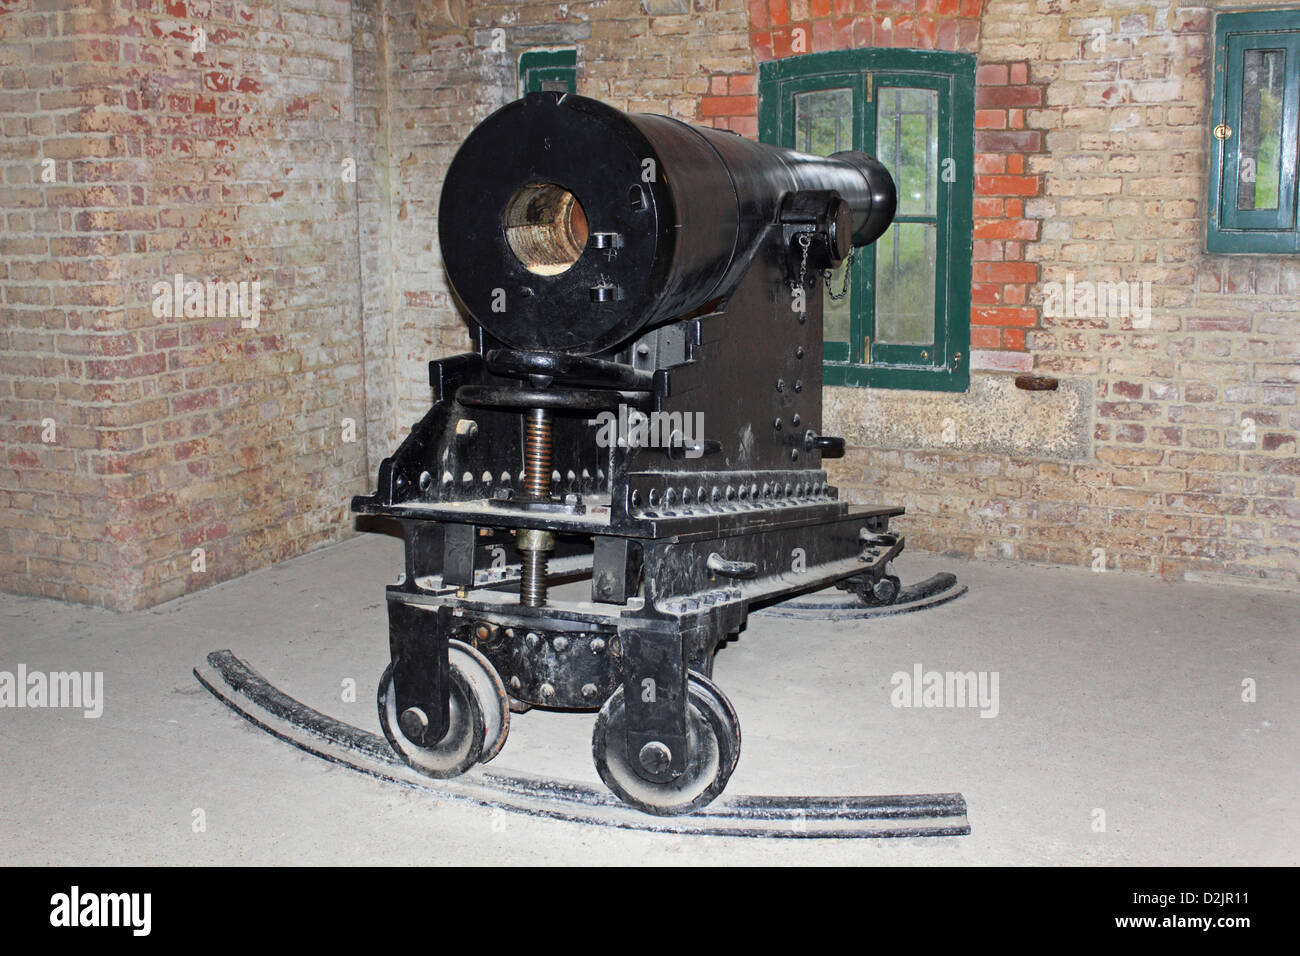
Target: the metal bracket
(417, 641)
(731, 569)
(655, 697)
(878, 550)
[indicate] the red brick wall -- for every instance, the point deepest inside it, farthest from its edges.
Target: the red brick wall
(220, 163)
(852, 24)
(1001, 278)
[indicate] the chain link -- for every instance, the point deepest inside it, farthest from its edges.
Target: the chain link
(805, 242)
(826, 277)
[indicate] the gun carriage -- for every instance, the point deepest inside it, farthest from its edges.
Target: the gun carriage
(642, 413)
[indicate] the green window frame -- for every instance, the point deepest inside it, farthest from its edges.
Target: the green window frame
(872, 76)
(548, 70)
(1253, 132)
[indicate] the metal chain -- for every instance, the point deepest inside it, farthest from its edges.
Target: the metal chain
(805, 241)
(826, 277)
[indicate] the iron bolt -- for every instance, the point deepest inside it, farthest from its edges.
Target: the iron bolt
(561, 643)
(413, 723)
(655, 757)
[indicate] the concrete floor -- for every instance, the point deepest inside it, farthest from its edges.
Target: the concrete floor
(1117, 693)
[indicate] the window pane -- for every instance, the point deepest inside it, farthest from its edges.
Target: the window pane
(907, 142)
(823, 121)
(1261, 128)
(905, 274)
(823, 124)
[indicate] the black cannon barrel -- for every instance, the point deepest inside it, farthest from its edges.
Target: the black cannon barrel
(567, 225)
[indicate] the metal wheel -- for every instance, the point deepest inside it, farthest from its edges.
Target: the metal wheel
(881, 594)
(491, 692)
(713, 749)
(723, 711)
(885, 591)
(480, 718)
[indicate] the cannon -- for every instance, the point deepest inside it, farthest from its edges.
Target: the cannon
(629, 461)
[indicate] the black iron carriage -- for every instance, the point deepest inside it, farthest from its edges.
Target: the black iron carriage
(643, 409)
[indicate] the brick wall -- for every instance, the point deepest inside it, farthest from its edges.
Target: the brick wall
(1179, 475)
(196, 138)
(1178, 480)
(370, 63)
(1006, 148)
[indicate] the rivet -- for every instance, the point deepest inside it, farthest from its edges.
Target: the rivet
(560, 643)
(548, 690)
(588, 690)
